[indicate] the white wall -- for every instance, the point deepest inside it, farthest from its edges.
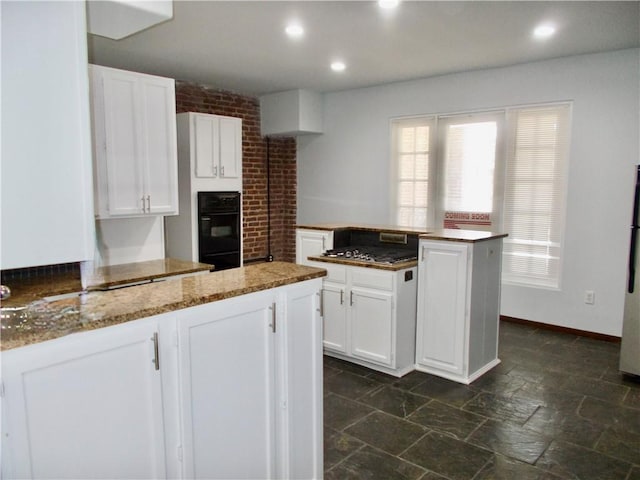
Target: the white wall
(343, 175)
(129, 240)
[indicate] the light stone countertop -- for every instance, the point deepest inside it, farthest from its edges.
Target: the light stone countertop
(393, 267)
(92, 310)
(29, 289)
(468, 236)
(370, 227)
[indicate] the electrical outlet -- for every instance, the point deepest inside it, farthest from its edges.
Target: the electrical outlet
(589, 297)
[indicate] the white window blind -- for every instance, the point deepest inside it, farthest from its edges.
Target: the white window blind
(470, 157)
(534, 203)
(411, 154)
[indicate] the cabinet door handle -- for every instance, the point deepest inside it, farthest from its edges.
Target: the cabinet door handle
(215, 170)
(222, 170)
(273, 317)
(422, 257)
(156, 353)
(321, 302)
(341, 297)
(351, 298)
(148, 203)
(323, 247)
(144, 205)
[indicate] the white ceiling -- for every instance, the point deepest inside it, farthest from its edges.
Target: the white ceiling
(241, 45)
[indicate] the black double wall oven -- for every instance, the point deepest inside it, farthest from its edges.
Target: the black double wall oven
(219, 229)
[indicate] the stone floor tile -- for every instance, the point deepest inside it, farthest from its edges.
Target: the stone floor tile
(349, 385)
(446, 391)
(447, 419)
(447, 456)
(547, 394)
(619, 443)
(495, 382)
(565, 426)
(609, 414)
(338, 446)
(386, 432)
(572, 461)
(412, 380)
(395, 401)
(512, 409)
(510, 440)
(371, 464)
(609, 392)
(347, 366)
(632, 399)
(634, 474)
(505, 468)
(340, 412)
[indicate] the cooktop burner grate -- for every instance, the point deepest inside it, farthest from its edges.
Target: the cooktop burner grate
(372, 254)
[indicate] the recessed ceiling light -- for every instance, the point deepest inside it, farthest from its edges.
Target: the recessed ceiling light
(543, 31)
(338, 66)
(294, 30)
(388, 4)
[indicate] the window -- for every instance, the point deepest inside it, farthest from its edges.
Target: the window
(535, 195)
(470, 162)
(411, 141)
(480, 175)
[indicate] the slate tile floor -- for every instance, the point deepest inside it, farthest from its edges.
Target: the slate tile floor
(555, 408)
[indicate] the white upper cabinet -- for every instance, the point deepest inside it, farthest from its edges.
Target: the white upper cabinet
(213, 145)
(46, 140)
(135, 148)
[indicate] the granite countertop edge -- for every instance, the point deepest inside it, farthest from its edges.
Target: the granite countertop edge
(355, 263)
(99, 309)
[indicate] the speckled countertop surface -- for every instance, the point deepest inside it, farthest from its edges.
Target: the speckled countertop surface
(25, 290)
(49, 320)
(365, 227)
(363, 263)
(469, 236)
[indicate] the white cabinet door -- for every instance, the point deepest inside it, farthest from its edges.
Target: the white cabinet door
(218, 147)
(227, 388)
(159, 127)
(124, 168)
(207, 156)
(230, 134)
(311, 243)
(85, 406)
(301, 384)
(372, 325)
(442, 301)
(134, 143)
(334, 317)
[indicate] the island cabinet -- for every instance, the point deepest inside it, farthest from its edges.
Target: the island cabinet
(458, 308)
(311, 243)
(369, 316)
(223, 390)
(135, 149)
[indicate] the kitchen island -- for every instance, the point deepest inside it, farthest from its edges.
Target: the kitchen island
(435, 308)
(208, 376)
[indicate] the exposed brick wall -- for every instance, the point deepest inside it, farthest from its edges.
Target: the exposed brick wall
(192, 97)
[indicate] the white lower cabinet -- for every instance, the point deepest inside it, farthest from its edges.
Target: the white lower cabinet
(311, 243)
(85, 406)
(369, 316)
(229, 389)
(227, 385)
(458, 308)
